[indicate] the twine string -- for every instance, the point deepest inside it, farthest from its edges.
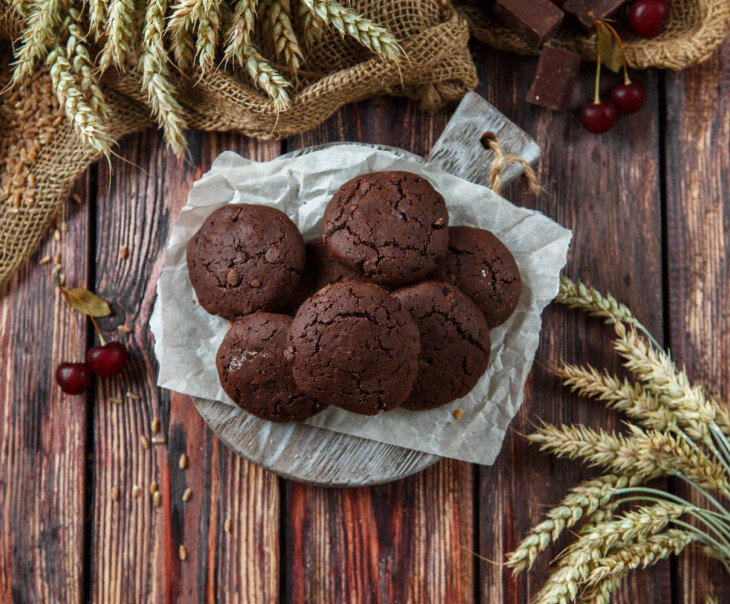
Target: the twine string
(502, 160)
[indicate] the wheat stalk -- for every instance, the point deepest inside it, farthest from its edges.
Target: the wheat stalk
(42, 29)
(369, 34)
(85, 122)
(575, 566)
(267, 78)
(278, 25)
(120, 34)
(156, 78)
(618, 394)
(239, 33)
(581, 502)
(619, 562)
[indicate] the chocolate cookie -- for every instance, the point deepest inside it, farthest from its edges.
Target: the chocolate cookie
(245, 258)
(480, 265)
(390, 225)
(455, 343)
(321, 269)
(255, 373)
(354, 346)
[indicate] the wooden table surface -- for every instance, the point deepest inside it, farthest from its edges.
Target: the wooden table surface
(649, 204)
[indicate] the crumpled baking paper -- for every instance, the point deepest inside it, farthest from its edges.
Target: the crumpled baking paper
(187, 337)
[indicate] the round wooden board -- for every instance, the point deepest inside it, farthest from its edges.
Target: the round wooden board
(308, 454)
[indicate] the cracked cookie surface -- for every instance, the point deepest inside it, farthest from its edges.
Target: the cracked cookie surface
(481, 266)
(455, 343)
(245, 258)
(354, 346)
(255, 372)
(390, 225)
(321, 269)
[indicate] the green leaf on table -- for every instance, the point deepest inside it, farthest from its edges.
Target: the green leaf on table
(608, 49)
(86, 302)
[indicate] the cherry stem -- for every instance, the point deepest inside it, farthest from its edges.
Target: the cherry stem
(597, 96)
(98, 331)
(73, 339)
(624, 61)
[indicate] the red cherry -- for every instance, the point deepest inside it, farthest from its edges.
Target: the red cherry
(628, 98)
(647, 17)
(108, 359)
(598, 118)
(73, 378)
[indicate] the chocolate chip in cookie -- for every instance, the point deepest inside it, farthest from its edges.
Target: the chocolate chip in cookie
(390, 225)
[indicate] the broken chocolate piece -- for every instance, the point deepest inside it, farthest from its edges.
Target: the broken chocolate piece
(601, 9)
(553, 82)
(535, 20)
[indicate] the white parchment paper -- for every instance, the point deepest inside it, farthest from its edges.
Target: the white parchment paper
(187, 337)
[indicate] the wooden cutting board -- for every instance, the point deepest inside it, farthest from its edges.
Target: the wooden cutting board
(324, 458)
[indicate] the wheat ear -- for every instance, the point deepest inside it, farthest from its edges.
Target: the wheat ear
(209, 25)
(374, 37)
(369, 34)
(267, 78)
(180, 26)
(593, 302)
(40, 32)
(618, 394)
(239, 33)
(277, 22)
(85, 122)
(574, 568)
(97, 18)
(78, 54)
(156, 78)
(582, 501)
(645, 454)
(312, 26)
(655, 368)
(120, 34)
(619, 562)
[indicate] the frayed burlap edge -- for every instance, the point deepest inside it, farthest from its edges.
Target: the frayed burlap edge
(695, 28)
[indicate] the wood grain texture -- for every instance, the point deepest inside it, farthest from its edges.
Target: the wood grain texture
(136, 546)
(610, 197)
(43, 431)
(407, 541)
(698, 258)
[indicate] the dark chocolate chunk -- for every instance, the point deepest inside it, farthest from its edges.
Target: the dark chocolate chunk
(601, 9)
(553, 82)
(535, 20)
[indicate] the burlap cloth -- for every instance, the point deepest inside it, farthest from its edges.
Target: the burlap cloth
(40, 157)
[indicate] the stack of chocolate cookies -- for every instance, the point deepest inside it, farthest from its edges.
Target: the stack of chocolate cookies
(390, 308)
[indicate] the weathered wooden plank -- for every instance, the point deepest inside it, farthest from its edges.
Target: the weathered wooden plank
(698, 257)
(400, 542)
(43, 431)
(606, 188)
(135, 552)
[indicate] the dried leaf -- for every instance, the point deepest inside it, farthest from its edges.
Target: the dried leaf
(608, 49)
(86, 302)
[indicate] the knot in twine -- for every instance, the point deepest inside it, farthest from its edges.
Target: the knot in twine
(502, 160)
